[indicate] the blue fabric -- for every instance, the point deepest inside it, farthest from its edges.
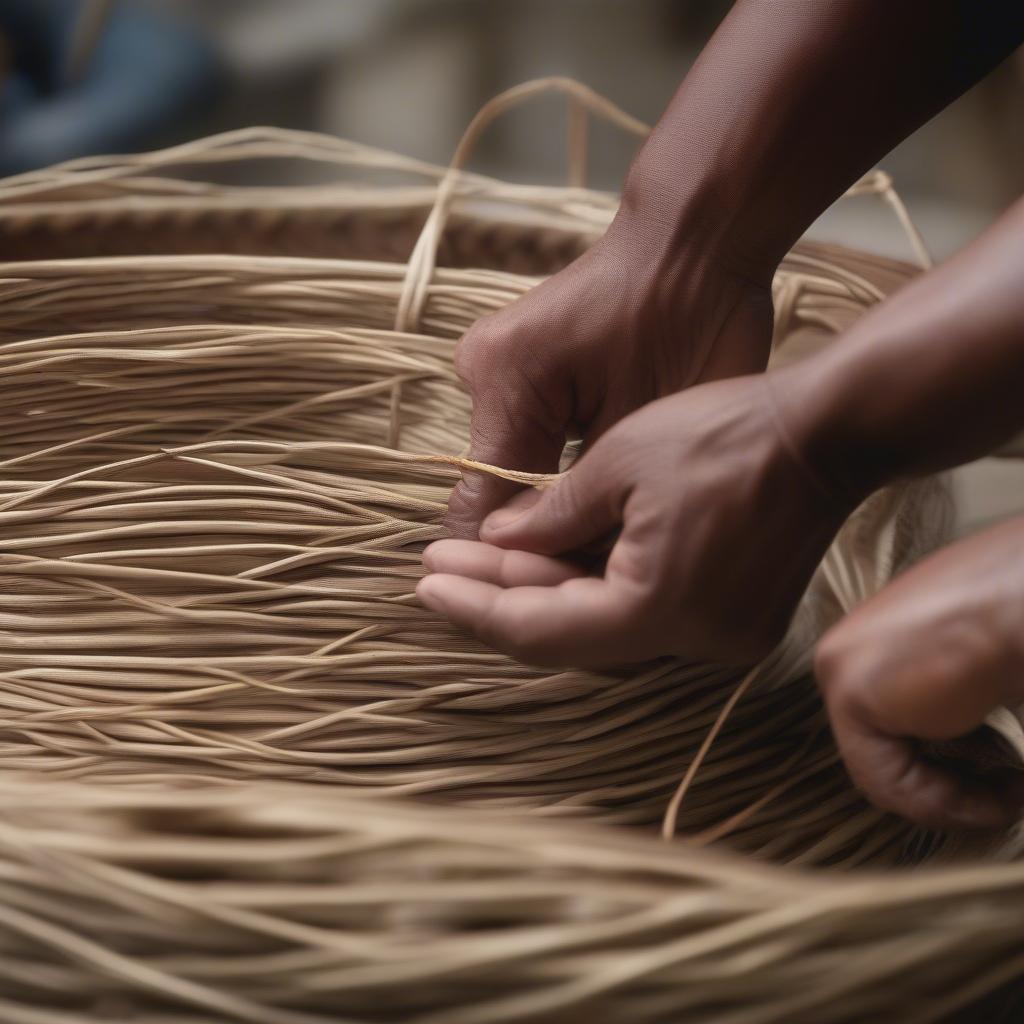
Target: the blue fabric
(148, 70)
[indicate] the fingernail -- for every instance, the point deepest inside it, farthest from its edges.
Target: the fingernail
(502, 518)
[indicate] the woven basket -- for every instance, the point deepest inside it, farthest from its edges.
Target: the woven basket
(224, 446)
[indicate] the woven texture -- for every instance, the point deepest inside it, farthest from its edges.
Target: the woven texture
(222, 455)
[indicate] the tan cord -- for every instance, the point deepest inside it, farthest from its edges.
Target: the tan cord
(218, 470)
(668, 827)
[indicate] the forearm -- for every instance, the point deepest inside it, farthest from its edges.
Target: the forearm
(790, 102)
(930, 379)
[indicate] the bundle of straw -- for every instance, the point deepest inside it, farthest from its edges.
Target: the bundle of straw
(198, 578)
(292, 904)
(216, 475)
(195, 578)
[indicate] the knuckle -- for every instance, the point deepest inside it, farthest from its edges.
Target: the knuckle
(876, 774)
(464, 361)
(472, 498)
(833, 664)
(561, 500)
(645, 602)
(480, 349)
(908, 794)
(465, 510)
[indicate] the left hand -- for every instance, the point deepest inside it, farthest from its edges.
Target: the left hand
(716, 527)
(633, 319)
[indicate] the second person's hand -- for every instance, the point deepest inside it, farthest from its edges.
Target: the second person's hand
(926, 660)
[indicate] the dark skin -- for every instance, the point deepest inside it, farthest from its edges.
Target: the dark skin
(789, 103)
(722, 485)
(928, 658)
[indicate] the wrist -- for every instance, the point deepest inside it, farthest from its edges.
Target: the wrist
(685, 220)
(927, 380)
(685, 299)
(686, 231)
(810, 402)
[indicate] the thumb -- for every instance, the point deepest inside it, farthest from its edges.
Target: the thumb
(498, 441)
(583, 506)
(514, 426)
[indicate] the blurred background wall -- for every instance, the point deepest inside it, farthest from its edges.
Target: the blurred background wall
(408, 75)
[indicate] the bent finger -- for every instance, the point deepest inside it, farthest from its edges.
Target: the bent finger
(498, 439)
(895, 775)
(582, 507)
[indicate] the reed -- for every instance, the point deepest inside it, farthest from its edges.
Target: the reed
(229, 730)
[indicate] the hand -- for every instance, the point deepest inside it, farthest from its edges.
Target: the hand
(618, 328)
(716, 531)
(927, 659)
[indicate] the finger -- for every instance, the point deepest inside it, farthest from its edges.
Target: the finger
(893, 774)
(584, 622)
(489, 564)
(503, 433)
(583, 506)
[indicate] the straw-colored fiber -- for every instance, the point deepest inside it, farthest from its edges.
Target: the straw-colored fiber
(247, 778)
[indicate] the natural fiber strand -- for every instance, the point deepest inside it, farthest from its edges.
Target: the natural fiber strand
(219, 465)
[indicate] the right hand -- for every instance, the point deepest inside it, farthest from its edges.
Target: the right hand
(714, 523)
(616, 329)
(926, 659)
